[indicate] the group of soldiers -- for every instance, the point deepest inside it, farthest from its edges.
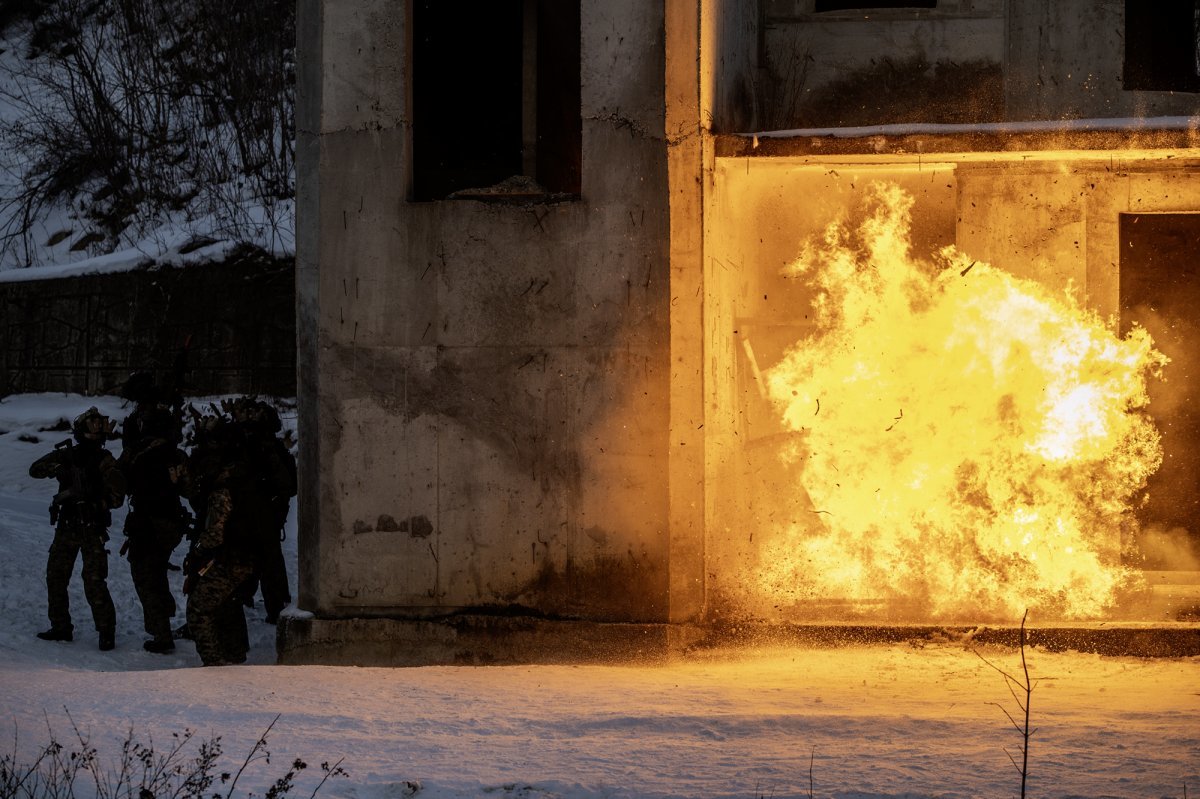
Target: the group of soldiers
(238, 480)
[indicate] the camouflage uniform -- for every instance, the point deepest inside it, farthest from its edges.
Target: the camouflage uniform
(221, 560)
(90, 485)
(154, 467)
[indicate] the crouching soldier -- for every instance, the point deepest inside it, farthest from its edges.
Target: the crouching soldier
(154, 467)
(222, 556)
(90, 486)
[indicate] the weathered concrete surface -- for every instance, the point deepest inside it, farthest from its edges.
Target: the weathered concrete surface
(1059, 221)
(548, 406)
(963, 61)
(729, 39)
(1065, 60)
(869, 66)
(485, 384)
(687, 159)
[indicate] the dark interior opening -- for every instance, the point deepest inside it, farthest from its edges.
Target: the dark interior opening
(1161, 45)
(850, 5)
(490, 79)
(1160, 290)
(559, 122)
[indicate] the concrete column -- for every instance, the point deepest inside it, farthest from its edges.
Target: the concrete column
(686, 490)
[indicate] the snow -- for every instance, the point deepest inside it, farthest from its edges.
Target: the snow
(1129, 124)
(164, 252)
(863, 721)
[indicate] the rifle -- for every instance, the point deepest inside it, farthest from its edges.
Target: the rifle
(76, 496)
(190, 576)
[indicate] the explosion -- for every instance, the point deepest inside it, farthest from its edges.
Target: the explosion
(971, 442)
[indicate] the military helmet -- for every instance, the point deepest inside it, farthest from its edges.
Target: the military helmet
(253, 414)
(268, 418)
(91, 425)
(159, 422)
(139, 387)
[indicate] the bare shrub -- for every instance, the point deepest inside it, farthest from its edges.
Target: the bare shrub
(142, 111)
(189, 768)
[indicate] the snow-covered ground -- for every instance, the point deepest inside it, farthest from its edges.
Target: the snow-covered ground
(881, 721)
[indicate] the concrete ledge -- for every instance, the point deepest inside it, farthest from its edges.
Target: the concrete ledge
(474, 640)
(1131, 639)
(510, 640)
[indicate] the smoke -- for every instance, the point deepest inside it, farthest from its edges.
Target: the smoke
(1167, 549)
(1175, 337)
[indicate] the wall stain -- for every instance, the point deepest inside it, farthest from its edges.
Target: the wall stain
(416, 526)
(604, 587)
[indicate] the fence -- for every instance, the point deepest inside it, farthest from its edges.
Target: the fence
(85, 334)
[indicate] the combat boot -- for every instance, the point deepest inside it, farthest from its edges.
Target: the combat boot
(159, 646)
(57, 634)
(108, 640)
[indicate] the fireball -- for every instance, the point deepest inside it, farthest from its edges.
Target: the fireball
(971, 442)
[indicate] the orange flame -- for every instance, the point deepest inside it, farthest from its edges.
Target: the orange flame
(970, 442)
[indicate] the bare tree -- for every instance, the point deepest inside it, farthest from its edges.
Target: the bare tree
(1021, 690)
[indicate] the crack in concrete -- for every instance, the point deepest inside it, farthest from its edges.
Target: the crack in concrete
(620, 121)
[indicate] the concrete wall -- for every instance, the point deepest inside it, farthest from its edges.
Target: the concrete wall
(1065, 60)
(1051, 217)
(85, 334)
(1068, 228)
(547, 408)
(876, 66)
(484, 385)
(731, 45)
(1000, 60)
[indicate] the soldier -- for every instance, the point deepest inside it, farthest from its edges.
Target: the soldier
(204, 462)
(221, 560)
(154, 467)
(274, 469)
(90, 486)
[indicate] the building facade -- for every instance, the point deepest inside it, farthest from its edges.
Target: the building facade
(539, 280)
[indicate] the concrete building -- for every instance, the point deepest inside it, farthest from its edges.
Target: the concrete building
(539, 274)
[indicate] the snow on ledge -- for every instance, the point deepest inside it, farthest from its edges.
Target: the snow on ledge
(1037, 126)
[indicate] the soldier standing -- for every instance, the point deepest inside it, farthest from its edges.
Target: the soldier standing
(154, 467)
(222, 557)
(90, 486)
(274, 470)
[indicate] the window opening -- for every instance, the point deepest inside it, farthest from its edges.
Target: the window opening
(496, 99)
(1162, 45)
(1160, 291)
(849, 5)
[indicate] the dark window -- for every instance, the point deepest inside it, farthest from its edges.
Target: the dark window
(850, 5)
(1160, 291)
(1162, 45)
(495, 96)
